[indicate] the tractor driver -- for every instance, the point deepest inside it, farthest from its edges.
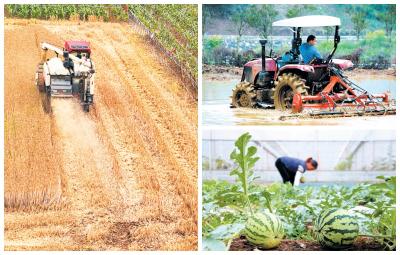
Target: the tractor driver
(309, 52)
(292, 169)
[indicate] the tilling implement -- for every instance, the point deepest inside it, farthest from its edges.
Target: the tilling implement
(71, 75)
(317, 88)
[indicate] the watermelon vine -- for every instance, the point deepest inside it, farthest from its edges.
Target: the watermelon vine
(227, 207)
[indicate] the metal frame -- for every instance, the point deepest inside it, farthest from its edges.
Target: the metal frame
(331, 100)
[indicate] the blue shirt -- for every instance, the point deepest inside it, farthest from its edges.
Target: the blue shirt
(308, 52)
(292, 164)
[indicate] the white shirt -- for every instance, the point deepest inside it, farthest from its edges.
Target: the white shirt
(299, 174)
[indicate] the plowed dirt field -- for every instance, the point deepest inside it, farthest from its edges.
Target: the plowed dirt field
(124, 176)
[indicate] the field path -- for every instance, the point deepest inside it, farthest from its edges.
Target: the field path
(130, 165)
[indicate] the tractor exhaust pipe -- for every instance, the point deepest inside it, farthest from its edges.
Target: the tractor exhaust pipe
(263, 42)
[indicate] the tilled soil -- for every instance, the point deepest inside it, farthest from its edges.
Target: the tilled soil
(360, 244)
(130, 165)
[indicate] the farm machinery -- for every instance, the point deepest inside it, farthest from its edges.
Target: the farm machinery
(70, 73)
(318, 88)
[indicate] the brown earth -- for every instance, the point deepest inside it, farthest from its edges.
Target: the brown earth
(221, 73)
(128, 169)
(360, 244)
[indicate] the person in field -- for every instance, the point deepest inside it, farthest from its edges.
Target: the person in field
(309, 52)
(292, 169)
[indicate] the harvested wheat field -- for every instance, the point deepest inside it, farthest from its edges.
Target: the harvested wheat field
(122, 177)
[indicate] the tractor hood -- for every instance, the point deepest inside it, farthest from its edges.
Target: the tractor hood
(252, 68)
(308, 21)
(270, 64)
(343, 63)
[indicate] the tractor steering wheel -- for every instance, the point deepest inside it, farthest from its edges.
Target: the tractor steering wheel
(317, 61)
(312, 61)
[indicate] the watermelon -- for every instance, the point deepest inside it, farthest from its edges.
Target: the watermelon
(336, 228)
(264, 230)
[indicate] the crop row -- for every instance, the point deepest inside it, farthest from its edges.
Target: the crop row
(175, 26)
(66, 11)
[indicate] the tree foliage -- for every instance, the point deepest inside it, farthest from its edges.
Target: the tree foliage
(297, 10)
(388, 17)
(241, 18)
(358, 17)
(262, 18)
(377, 16)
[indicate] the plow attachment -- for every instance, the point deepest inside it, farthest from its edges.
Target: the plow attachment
(343, 98)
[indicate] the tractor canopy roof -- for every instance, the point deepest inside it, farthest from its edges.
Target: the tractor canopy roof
(308, 21)
(81, 46)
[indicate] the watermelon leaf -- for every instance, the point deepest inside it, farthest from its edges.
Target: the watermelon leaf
(227, 232)
(245, 159)
(210, 244)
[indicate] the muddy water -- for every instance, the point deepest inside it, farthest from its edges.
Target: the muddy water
(378, 85)
(216, 106)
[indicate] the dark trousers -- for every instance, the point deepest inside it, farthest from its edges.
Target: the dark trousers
(287, 175)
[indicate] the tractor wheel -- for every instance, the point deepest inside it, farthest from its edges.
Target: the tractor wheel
(286, 87)
(46, 101)
(86, 108)
(40, 79)
(244, 96)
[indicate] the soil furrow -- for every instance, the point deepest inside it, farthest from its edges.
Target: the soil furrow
(168, 117)
(147, 69)
(152, 131)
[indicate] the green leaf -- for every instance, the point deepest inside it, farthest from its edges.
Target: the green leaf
(210, 244)
(244, 158)
(227, 232)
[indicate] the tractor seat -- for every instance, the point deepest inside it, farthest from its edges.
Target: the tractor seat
(288, 58)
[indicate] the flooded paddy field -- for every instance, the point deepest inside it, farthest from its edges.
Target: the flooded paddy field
(217, 89)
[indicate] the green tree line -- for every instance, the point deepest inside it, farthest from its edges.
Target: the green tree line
(356, 19)
(373, 25)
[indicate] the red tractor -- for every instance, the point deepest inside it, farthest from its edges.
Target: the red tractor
(78, 48)
(319, 87)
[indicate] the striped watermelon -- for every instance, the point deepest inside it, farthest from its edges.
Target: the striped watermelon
(264, 229)
(336, 228)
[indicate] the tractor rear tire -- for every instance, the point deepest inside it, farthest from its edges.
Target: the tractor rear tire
(243, 95)
(286, 87)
